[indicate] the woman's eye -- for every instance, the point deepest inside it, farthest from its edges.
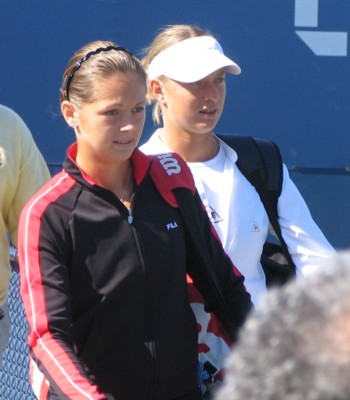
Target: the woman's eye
(112, 112)
(197, 83)
(220, 79)
(139, 109)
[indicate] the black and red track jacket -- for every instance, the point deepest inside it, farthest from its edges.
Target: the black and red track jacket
(106, 300)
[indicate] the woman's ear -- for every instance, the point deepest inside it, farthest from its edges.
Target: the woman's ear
(157, 89)
(69, 113)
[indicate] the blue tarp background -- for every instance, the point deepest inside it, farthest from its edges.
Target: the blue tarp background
(285, 93)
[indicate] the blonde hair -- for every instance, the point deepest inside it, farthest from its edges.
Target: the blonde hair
(94, 61)
(168, 36)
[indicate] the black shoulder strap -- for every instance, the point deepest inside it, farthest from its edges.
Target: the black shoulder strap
(260, 162)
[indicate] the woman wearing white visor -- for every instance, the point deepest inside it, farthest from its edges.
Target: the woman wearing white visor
(186, 70)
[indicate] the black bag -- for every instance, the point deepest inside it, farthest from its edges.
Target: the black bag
(260, 162)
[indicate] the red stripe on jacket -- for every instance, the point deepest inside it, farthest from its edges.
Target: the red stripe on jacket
(45, 348)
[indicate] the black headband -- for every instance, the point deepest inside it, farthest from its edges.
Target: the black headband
(68, 79)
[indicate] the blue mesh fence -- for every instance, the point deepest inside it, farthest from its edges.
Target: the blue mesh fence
(14, 376)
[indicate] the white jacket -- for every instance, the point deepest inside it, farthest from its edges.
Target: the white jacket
(243, 225)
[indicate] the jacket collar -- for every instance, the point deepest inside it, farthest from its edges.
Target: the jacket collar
(141, 165)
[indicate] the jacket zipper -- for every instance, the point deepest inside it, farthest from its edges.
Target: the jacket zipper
(130, 216)
(148, 311)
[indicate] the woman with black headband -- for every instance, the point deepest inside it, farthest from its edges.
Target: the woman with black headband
(107, 246)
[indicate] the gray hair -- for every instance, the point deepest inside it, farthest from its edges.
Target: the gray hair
(296, 344)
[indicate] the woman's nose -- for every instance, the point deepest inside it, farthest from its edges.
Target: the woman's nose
(211, 92)
(127, 127)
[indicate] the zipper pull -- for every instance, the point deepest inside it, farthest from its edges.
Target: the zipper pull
(130, 216)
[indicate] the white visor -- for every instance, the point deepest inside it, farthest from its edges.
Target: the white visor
(191, 60)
